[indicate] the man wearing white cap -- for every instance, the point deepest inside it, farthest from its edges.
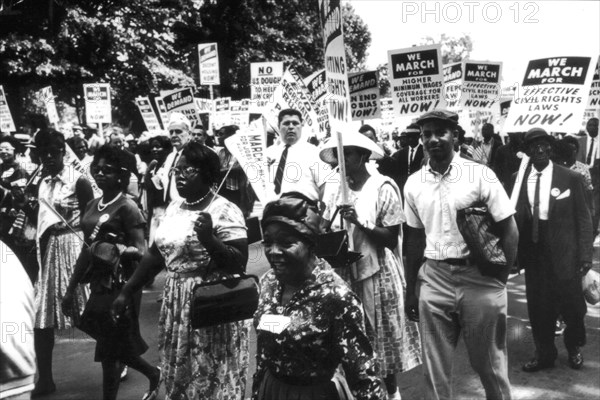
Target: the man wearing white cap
(179, 127)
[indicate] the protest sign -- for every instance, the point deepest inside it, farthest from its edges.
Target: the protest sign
(264, 79)
(315, 84)
(416, 79)
(481, 88)
(338, 100)
(208, 60)
(47, 98)
(387, 112)
(292, 93)
(593, 105)
(248, 147)
(97, 103)
(364, 95)
(205, 109)
(504, 107)
(182, 100)
(240, 113)
(6, 121)
(162, 111)
(453, 78)
(222, 112)
(472, 120)
(553, 95)
(147, 112)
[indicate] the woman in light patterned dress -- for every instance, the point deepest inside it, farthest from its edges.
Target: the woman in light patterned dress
(373, 217)
(202, 237)
(65, 192)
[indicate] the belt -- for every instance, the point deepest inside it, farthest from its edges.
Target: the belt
(183, 275)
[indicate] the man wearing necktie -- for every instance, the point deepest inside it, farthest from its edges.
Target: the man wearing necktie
(555, 248)
(593, 161)
(409, 158)
(294, 164)
(179, 127)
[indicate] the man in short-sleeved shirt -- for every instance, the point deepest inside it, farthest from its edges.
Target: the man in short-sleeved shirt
(303, 171)
(455, 296)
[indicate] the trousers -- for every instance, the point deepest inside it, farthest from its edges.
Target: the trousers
(457, 300)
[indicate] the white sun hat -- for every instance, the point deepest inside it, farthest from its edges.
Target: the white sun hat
(355, 139)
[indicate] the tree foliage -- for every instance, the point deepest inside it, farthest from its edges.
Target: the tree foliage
(454, 48)
(143, 46)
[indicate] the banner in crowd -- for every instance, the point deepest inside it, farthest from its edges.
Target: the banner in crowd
(248, 146)
(182, 100)
(338, 91)
(97, 103)
(240, 113)
(222, 112)
(315, 84)
(387, 112)
(292, 93)
(553, 95)
(364, 95)
(416, 79)
(453, 79)
(6, 121)
(205, 109)
(504, 106)
(148, 115)
(208, 60)
(47, 98)
(264, 79)
(481, 88)
(472, 120)
(162, 111)
(593, 105)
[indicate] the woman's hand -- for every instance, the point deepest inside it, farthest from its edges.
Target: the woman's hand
(204, 228)
(349, 214)
(119, 306)
(67, 303)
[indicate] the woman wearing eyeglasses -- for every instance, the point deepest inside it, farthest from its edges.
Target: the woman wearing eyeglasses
(201, 237)
(116, 219)
(63, 195)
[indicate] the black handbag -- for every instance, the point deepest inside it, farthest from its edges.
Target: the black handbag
(333, 247)
(223, 301)
(96, 319)
(480, 232)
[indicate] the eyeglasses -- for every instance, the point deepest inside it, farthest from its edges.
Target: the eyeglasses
(176, 132)
(105, 169)
(185, 172)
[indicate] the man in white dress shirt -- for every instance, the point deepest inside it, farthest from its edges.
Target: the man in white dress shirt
(179, 131)
(294, 164)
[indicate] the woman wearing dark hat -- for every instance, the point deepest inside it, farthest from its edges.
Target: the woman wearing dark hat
(373, 218)
(201, 237)
(308, 320)
(63, 195)
(10, 171)
(116, 219)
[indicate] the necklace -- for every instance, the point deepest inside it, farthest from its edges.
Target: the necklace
(193, 203)
(102, 206)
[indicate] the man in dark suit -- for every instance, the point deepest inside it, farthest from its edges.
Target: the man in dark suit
(555, 247)
(409, 158)
(386, 165)
(485, 153)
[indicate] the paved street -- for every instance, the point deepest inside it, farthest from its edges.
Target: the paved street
(77, 376)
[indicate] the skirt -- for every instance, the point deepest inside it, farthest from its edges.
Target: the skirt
(61, 254)
(272, 388)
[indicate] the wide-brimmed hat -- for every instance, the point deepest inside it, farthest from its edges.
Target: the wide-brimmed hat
(354, 139)
(177, 118)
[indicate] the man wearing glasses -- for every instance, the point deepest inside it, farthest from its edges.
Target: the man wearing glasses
(179, 131)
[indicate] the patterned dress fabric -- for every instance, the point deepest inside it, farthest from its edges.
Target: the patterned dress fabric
(378, 278)
(61, 252)
(208, 363)
(326, 329)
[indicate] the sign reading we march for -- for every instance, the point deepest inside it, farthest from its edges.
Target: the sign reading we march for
(364, 95)
(481, 85)
(97, 103)
(208, 60)
(416, 79)
(553, 95)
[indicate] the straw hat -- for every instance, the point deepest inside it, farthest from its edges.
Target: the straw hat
(327, 152)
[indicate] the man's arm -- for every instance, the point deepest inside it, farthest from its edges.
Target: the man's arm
(509, 235)
(583, 223)
(415, 249)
